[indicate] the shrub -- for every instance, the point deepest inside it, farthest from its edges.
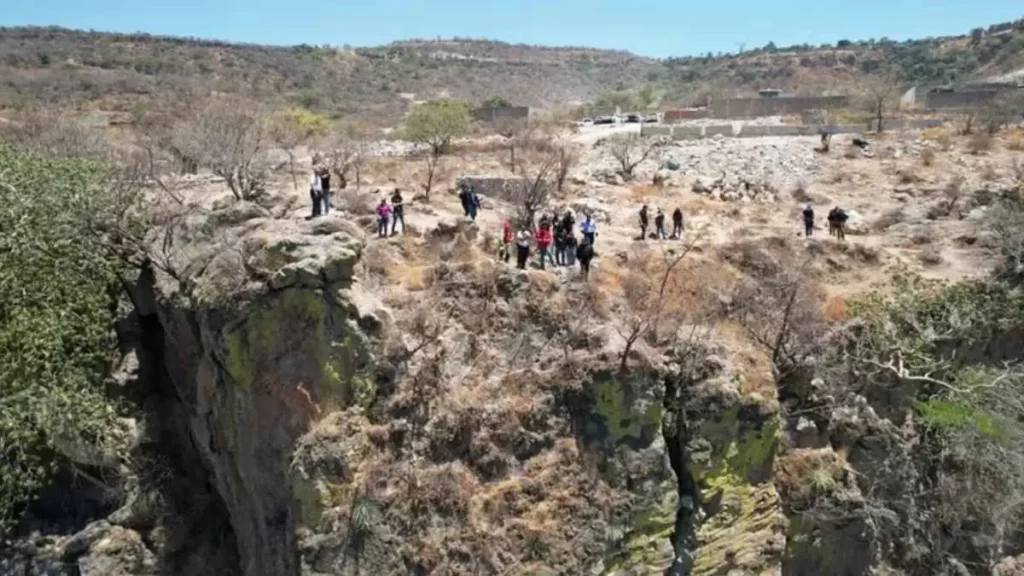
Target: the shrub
(56, 322)
(980, 143)
(928, 157)
(888, 219)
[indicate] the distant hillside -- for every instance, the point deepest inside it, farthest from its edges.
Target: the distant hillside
(115, 71)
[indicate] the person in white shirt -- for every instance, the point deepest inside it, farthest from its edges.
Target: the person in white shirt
(316, 193)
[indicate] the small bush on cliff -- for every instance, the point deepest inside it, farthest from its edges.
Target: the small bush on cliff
(55, 320)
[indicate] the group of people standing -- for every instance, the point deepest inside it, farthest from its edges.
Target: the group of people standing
(659, 224)
(556, 232)
(837, 218)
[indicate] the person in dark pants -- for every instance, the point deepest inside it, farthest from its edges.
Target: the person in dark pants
(585, 253)
(383, 215)
(570, 248)
(522, 249)
(659, 225)
(840, 223)
(325, 186)
(464, 199)
(316, 194)
(643, 222)
(568, 221)
(474, 204)
(543, 239)
(677, 224)
(397, 211)
(808, 220)
(589, 229)
(560, 236)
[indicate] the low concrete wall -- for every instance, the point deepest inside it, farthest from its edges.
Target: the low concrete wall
(500, 113)
(782, 106)
(753, 131)
(723, 129)
(677, 115)
(835, 129)
(790, 130)
(647, 130)
(965, 99)
(687, 132)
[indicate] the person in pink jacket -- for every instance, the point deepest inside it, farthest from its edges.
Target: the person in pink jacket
(383, 217)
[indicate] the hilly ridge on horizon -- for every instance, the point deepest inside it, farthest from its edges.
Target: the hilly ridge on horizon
(114, 72)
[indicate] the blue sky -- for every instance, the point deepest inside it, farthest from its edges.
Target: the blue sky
(656, 28)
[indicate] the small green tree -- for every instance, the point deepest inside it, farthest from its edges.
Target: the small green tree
(880, 94)
(435, 124)
(56, 321)
(296, 126)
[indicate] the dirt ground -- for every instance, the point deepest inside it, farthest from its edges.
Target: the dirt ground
(917, 202)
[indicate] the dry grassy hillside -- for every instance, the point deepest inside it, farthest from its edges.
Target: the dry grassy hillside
(115, 71)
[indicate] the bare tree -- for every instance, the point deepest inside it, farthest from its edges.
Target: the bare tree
(566, 158)
(1002, 110)
(781, 312)
(513, 129)
(646, 301)
(632, 149)
(533, 190)
(54, 134)
(231, 139)
(880, 94)
(344, 152)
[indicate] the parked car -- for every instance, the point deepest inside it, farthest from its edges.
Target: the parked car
(604, 120)
(652, 118)
(634, 118)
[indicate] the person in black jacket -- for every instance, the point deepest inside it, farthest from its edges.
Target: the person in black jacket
(644, 221)
(585, 253)
(677, 224)
(325, 186)
(659, 225)
(808, 214)
(397, 211)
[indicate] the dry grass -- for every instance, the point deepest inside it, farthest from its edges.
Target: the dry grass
(750, 361)
(803, 475)
(1015, 140)
(835, 309)
(980, 143)
(888, 219)
(940, 136)
(927, 157)
(800, 193)
(644, 193)
(909, 176)
(989, 173)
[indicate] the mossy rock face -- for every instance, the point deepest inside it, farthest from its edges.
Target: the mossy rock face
(296, 339)
(731, 461)
(617, 411)
(645, 543)
(618, 421)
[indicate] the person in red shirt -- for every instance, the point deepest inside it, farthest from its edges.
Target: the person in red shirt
(543, 239)
(507, 237)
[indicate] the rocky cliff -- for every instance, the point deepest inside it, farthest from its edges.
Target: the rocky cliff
(311, 402)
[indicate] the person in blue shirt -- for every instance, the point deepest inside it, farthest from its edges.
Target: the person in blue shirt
(589, 229)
